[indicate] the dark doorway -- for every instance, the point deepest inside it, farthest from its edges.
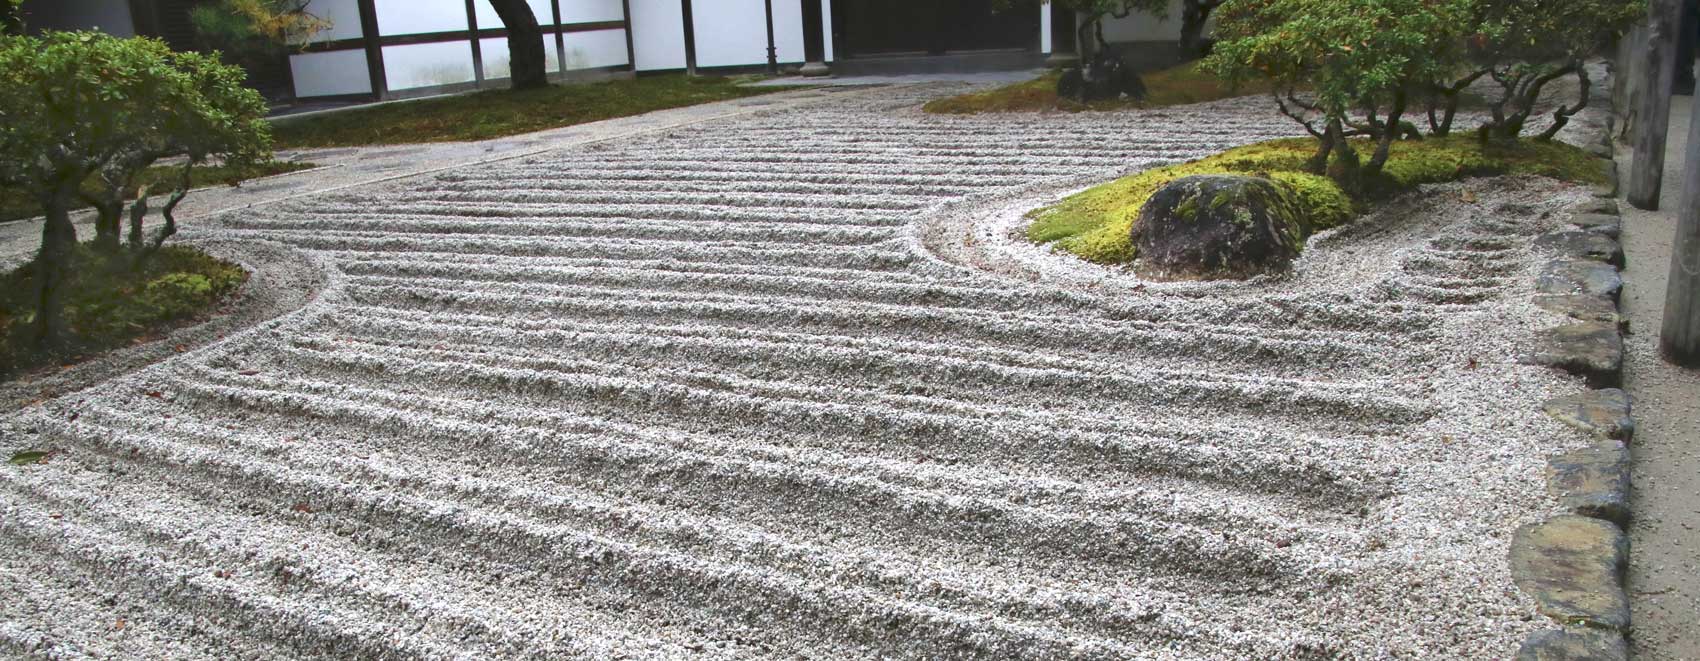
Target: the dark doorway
(911, 27)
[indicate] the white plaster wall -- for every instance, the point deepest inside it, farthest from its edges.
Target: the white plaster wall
(496, 56)
(734, 32)
(414, 16)
(591, 11)
(658, 32)
(344, 16)
(1144, 27)
(487, 17)
(426, 65)
(826, 26)
(600, 48)
(330, 74)
(1045, 28)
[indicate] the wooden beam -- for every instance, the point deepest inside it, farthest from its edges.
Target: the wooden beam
(631, 50)
(1679, 335)
(374, 48)
(560, 38)
(690, 38)
(453, 35)
(477, 47)
(1652, 117)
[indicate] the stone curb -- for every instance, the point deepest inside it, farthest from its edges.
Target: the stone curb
(1573, 564)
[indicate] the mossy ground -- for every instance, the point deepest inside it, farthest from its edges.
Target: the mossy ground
(17, 204)
(1178, 85)
(1095, 224)
(108, 306)
(501, 113)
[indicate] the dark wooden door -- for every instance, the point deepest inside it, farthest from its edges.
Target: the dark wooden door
(890, 27)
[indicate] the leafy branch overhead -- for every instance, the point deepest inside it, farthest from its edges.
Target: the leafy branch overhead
(1368, 65)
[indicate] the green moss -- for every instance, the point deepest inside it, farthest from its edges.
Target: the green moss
(108, 306)
(1096, 224)
(501, 113)
(1179, 85)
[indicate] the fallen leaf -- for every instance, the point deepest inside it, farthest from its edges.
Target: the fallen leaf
(155, 394)
(27, 457)
(248, 372)
(303, 508)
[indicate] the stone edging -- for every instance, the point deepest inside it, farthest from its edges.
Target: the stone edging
(1573, 564)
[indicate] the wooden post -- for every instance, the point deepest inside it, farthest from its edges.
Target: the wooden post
(1652, 117)
(1679, 337)
(374, 49)
(477, 47)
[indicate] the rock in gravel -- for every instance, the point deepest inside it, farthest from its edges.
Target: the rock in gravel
(1588, 349)
(1574, 645)
(1211, 227)
(1579, 244)
(1579, 276)
(1594, 206)
(1605, 413)
(1573, 566)
(1583, 308)
(1593, 481)
(1599, 223)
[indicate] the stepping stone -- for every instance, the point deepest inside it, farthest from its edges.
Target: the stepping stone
(1604, 413)
(1608, 224)
(1582, 308)
(1598, 149)
(1577, 244)
(1579, 276)
(1588, 349)
(1573, 567)
(1593, 481)
(1599, 206)
(1607, 189)
(1574, 645)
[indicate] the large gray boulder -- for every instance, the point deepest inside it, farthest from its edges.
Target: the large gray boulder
(1210, 227)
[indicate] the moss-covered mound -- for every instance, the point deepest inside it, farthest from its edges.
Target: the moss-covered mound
(1096, 224)
(1174, 86)
(108, 306)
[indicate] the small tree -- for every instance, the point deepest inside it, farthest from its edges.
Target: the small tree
(1194, 15)
(1361, 60)
(251, 32)
(1524, 45)
(74, 105)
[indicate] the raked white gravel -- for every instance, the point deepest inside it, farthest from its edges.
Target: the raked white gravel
(784, 386)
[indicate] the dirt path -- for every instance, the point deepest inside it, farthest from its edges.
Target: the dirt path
(1664, 577)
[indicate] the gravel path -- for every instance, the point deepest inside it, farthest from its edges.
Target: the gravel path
(754, 388)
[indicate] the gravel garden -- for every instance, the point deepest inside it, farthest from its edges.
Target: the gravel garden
(846, 378)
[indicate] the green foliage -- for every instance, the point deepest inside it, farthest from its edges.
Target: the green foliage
(501, 113)
(11, 18)
(107, 305)
(1179, 85)
(1096, 224)
(27, 457)
(248, 31)
(80, 103)
(18, 203)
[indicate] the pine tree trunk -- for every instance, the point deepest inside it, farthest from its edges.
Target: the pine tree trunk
(526, 59)
(1192, 29)
(53, 265)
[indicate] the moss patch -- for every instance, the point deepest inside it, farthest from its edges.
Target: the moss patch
(1174, 86)
(500, 113)
(1095, 224)
(107, 306)
(17, 204)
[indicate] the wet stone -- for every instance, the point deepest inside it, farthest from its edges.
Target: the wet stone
(1607, 189)
(1582, 308)
(1607, 224)
(1574, 645)
(1588, 349)
(1594, 206)
(1604, 413)
(1579, 276)
(1593, 481)
(1573, 567)
(1578, 244)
